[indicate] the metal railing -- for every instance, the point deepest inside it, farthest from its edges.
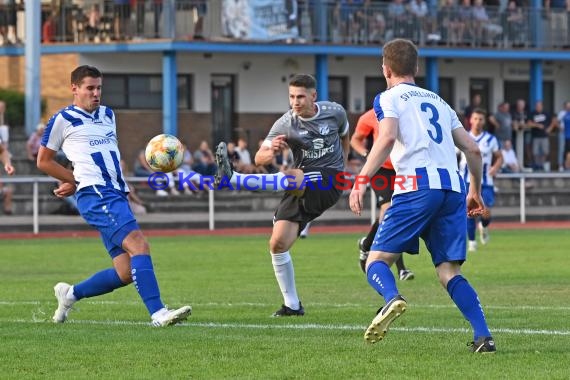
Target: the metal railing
(36, 180)
(330, 22)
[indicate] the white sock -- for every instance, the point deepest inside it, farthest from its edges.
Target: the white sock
(260, 182)
(158, 313)
(70, 295)
(285, 275)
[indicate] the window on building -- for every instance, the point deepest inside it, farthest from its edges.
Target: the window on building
(338, 90)
(143, 91)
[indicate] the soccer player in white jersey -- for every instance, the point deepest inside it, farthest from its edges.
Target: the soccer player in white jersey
(492, 162)
(419, 131)
(86, 132)
(317, 134)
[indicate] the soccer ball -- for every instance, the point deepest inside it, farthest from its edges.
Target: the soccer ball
(164, 153)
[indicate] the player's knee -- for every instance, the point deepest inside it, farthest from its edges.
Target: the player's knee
(135, 243)
(277, 245)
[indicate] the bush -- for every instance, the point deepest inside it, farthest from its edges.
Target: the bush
(16, 107)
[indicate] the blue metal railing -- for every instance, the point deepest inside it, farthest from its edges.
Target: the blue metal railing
(313, 22)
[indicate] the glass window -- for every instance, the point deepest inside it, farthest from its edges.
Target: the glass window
(115, 91)
(140, 91)
(338, 91)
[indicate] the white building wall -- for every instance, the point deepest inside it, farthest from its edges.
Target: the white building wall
(261, 80)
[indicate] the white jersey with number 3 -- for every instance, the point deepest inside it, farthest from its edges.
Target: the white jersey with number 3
(89, 140)
(424, 150)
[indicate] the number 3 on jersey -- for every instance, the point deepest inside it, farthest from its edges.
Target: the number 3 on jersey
(433, 121)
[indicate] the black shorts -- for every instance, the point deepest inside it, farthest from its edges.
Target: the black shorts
(319, 196)
(382, 186)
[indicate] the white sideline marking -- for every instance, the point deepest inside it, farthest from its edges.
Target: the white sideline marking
(316, 304)
(308, 326)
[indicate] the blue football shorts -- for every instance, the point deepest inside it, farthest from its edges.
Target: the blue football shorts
(439, 217)
(107, 209)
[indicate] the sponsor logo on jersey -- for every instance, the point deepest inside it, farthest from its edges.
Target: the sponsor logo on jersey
(99, 142)
(324, 129)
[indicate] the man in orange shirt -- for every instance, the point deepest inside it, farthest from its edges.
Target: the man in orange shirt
(366, 127)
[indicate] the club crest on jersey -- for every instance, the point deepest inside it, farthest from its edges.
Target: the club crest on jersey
(324, 129)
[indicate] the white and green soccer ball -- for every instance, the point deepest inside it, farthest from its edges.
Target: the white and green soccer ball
(164, 153)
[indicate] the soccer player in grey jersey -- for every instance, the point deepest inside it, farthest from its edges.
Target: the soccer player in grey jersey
(317, 134)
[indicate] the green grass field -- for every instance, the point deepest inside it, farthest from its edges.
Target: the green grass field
(522, 278)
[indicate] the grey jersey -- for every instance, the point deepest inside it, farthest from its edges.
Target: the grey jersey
(319, 134)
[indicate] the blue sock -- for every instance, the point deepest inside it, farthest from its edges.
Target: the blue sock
(145, 282)
(101, 282)
(471, 228)
(380, 277)
(468, 303)
(485, 222)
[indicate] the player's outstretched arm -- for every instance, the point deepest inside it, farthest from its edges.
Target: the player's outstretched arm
(475, 204)
(46, 163)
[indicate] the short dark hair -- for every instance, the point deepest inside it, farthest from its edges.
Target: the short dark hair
(303, 80)
(81, 72)
(480, 111)
(401, 56)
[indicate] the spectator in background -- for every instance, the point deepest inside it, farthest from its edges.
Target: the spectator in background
(465, 27)
(373, 21)
(34, 142)
(484, 28)
(421, 23)
(201, 8)
(93, 27)
(187, 171)
(564, 137)
(398, 20)
(449, 22)
(157, 11)
(8, 22)
(142, 169)
(475, 103)
(542, 123)
(515, 24)
(521, 134)
(6, 191)
(510, 161)
(49, 29)
(558, 12)
(139, 8)
(4, 128)
(245, 158)
(122, 9)
(502, 122)
(204, 160)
